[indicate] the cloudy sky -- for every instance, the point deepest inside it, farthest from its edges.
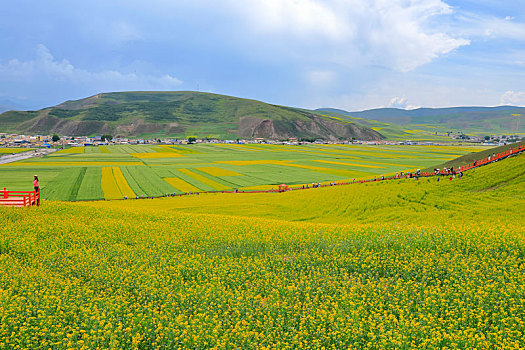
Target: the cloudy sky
(349, 54)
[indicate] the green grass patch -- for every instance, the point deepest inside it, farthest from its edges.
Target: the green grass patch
(145, 182)
(90, 188)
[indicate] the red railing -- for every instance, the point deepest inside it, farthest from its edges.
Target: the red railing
(19, 198)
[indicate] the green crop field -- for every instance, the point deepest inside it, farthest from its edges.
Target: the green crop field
(400, 264)
(144, 170)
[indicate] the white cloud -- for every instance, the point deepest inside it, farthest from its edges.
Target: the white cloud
(397, 34)
(46, 67)
(401, 103)
(514, 98)
(301, 18)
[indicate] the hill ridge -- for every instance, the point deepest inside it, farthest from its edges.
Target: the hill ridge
(181, 114)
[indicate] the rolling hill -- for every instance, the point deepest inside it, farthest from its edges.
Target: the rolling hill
(480, 121)
(181, 114)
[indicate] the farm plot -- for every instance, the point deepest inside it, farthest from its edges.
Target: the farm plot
(90, 188)
(92, 149)
(20, 179)
(230, 181)
(65, 185)
(191, 180)
(4, 150)
(156, 155)
(181, 185)
(74, 150)
(205, 180)
(114, 185)
(214, 171)
(145, 182)
(209, 167)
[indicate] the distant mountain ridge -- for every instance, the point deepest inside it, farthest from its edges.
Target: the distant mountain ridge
(477, 120)
(181, 114)
(389, 113)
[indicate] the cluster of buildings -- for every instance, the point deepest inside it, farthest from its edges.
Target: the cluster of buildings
(48, 141)
(489, 140)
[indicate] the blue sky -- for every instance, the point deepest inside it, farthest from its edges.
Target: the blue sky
(349, 54)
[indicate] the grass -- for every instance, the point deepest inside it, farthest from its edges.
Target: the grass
(90, 188)
(65, 185)
(214, 171)
(400, 264)
(145, 182)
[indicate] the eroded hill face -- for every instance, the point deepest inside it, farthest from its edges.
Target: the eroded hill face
(179, 114)
(253, 127)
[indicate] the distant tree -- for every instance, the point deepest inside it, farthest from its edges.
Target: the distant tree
(55, 138)
(487, 138)
(106, 137)
(191, 139)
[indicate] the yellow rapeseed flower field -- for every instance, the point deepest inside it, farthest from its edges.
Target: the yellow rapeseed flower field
(114, 185)
(393, 264)
(122, 184)
(181, 185)
(109, 184)
(204, 180)
(71, 150)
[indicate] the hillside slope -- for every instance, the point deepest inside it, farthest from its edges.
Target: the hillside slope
(180, 114)
(474, 156)
(397, 201)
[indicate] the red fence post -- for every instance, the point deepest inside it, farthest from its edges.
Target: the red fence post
(5, 192)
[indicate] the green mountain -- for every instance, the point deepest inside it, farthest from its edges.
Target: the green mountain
(502, 120)
(181, 114)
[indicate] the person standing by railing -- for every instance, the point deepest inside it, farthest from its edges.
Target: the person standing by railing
(36, 186)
